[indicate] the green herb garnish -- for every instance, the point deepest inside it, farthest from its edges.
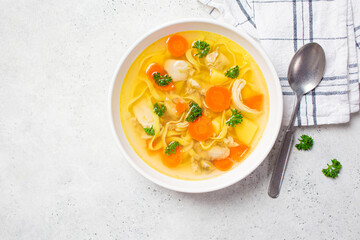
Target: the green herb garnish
(162, 80)
(236, 118)
(202, 47)
(194, 112)
(170, 149)
(150, 131)
(233, 72)
(305, 143)
(333, 169)
(159, 109)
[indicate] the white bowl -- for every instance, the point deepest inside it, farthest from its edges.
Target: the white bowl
(263, 147)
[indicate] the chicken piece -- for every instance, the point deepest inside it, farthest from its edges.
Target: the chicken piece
(193, 84)
(216, 60)
(200, 153)
(218, 152)
(237, 87)
(195, 165)
(170, 109)
(144, 113)
(211, 57)
(206, 165)
(229, 141)
(178, 70)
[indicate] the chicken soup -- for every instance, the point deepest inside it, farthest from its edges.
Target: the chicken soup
(194, 104)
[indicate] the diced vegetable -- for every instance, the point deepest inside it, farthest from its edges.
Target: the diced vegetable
(173, 159)
(177, 45)
(181, 107)
(237, 153)
(217, 77)
(249, 91)
(255, 102)
(218, 98)
(217, 125)
(154, 68)
(201, 129)
(223, 164)
(246, 131)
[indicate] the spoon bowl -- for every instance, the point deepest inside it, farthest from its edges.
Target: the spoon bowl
(306, 68)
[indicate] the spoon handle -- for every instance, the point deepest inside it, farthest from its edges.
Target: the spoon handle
(280, 167)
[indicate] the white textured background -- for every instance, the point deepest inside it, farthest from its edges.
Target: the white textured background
(63, 177)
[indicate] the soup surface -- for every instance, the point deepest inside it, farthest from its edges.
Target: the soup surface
(194, 104)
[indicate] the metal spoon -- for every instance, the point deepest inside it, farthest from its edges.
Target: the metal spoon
(305, 72)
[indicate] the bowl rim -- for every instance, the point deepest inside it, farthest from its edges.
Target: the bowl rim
(267, 61)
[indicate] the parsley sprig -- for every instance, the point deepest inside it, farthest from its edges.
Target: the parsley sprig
(333, 169)
(159, 109)
(202, 47)
(194, 112)
(233, 72)
(170, 149)
(162, 80)
(305, 143)
(150, 131)
(236, 118)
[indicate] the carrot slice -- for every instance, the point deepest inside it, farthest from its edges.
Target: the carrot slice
(236, 153)
(154, 68)
(201, 129)
(181, 107)
(223, 164)
(255, 102)
(173, 159)
(157, 68)
(218, 98)
(177, 45)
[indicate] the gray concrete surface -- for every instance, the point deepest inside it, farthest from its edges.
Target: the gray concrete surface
(63, 177)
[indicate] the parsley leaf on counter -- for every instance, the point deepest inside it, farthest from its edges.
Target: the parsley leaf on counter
(170, 149)
(159, 109)
(162, 80)
(233, 72)
(236, 118)
(194, 112)
(150, 131)
(305, 143)
(333, 169)
(202, 47)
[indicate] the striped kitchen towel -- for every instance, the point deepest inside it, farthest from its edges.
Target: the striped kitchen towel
(283, 26)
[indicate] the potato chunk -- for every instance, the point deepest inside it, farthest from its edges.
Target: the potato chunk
(217, 77)
(246, 131)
